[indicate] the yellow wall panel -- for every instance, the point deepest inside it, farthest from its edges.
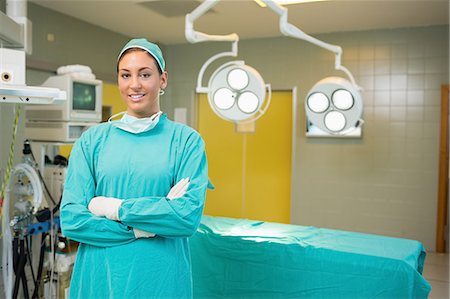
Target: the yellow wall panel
(111, 97)
(224, 149)
(251, 172)
(268, 167)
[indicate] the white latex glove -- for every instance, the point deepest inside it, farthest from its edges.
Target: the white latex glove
(105, 207)
(179, 189)
(142, 234)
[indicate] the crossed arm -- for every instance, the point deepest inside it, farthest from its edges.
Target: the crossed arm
(87, 218)
(108, 207)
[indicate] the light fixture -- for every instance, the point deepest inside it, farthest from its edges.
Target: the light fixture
(334, 105)
(236, 91)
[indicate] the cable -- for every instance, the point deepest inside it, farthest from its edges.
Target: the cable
(53, 253)
(10, 155)
(7, 257)
(20, 274)
(40, 267)
(16, 259)
(11, 152)
(30, 259)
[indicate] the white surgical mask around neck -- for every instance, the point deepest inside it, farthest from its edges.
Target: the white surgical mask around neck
(133, 124)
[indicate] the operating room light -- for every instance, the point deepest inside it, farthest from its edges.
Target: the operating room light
(237, 92)
(334, 105)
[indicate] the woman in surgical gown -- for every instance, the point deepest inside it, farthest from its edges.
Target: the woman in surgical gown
(134, 192)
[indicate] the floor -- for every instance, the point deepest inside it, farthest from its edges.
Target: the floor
(436, 272)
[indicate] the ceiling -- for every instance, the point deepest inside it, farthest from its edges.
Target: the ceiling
(163, 21)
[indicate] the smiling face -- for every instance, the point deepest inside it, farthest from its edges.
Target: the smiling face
(139, 83)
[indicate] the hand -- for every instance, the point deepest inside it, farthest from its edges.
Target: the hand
(179, 189)
(142, 234)
(105, 207)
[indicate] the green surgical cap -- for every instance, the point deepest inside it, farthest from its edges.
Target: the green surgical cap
(150, 47)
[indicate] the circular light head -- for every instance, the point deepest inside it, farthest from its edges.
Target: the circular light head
(334, 105)
(237, 79)
(335, 121)
(248, 102)
(223, 98)
(318, 102)
(236, 91)
(342, 99)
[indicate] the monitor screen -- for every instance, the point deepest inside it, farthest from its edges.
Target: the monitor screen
(83, 96)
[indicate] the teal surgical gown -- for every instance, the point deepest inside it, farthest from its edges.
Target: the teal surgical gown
(140, 169)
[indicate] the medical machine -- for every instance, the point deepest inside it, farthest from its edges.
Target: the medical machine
(25, 214)
(65, 121)
(12, 81)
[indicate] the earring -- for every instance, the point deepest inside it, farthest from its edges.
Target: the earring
(161, 92)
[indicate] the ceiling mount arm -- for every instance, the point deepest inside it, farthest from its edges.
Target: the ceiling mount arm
(193, 36)
(290, 30)
(233, 53)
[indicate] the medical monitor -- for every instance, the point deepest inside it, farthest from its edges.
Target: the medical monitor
(83, 104)
(83, 97)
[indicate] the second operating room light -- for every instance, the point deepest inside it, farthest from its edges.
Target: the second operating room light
(335, 106)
